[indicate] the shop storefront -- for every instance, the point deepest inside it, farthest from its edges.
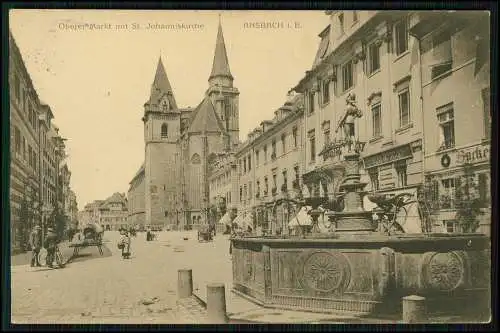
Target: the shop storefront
(455, 176)
(395, 170)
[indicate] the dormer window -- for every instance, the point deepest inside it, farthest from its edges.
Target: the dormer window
(341, 23)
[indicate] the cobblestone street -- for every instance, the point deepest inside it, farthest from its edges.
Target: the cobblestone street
(112, 290)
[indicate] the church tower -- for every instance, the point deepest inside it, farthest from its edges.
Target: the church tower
(162, 120)
(223, 94)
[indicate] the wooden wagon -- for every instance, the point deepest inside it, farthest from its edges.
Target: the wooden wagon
(91, 235)
(205, 233)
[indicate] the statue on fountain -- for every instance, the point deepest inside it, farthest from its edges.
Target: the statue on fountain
(347, 122)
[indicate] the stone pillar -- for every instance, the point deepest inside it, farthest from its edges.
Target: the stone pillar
(216, 303)
(414, 309)
(185, 283)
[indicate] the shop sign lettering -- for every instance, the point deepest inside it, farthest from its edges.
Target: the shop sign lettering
(388, 156)
(474, 154)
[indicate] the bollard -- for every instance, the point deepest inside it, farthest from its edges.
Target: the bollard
(216, 303)
(185, 283)
(414, 309)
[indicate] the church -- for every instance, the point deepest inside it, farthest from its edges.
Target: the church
(171, 187)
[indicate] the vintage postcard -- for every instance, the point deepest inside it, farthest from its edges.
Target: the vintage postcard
(296, 167)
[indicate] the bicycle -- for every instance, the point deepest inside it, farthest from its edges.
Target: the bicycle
(390, 209)
(42, 257)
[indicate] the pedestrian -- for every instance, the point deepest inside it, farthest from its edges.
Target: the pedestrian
(36, 245)
(50, 244)
(148, 234)
(124, 244)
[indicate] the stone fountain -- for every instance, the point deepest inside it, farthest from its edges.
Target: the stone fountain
(356, 269)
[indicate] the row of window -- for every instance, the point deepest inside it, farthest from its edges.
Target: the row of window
(246, 190)
(347, 70)
(245, 164)
(115, 219)
(23, 100)
(443, 194)
(221, 180)
(401, 175)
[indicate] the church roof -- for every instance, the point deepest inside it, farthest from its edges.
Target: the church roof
(140, 171)
(161, 86)
(220, 66)
(205, 118)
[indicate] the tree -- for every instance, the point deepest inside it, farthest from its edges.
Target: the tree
(58, 221)
(467, 201)
(23, 228)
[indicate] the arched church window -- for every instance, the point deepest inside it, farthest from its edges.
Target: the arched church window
(195, 159)
(164, 131)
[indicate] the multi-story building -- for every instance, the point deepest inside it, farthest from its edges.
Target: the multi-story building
(111, 213)
(90, 213)
(270, 168)
(179, 141)
(223, 187)
(136, 204)
(71, 207)
(455, 76)
(36, 151)
(369, 55)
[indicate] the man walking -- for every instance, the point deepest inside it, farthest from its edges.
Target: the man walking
(50, 244)
(36, 245)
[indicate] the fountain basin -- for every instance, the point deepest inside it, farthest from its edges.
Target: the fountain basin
(364, 273)
(352, 221)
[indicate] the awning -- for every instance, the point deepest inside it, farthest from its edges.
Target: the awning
(304, 219)
(226, 219)
(244, 220)
(238, 219)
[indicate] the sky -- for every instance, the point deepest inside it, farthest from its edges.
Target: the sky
(95, 69)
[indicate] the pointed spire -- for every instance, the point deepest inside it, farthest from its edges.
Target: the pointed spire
(220, 65)
(161, 86)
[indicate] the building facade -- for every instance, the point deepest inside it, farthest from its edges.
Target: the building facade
(269, 168)
(136, 200)
(36, 152)
(455, 71)
(417, 79)
(178, 143)
(111, 213)
(371, 56)
(223, 186)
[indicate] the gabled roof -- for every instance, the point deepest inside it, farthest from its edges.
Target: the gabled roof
(220, 66)
(161, 87)
(205, 118)
(115, 198)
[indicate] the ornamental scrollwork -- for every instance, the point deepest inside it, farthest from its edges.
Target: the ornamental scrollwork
(326, 272)
(443, 271)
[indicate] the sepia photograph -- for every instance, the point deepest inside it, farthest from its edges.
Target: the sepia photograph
(249, 167)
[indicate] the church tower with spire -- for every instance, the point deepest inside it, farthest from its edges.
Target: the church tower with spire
(223, 94)
(162, 125)
(172, 186)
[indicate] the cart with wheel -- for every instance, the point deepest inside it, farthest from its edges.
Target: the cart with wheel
(205, 234)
